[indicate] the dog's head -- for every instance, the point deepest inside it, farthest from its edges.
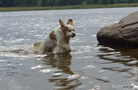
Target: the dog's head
(68, 29)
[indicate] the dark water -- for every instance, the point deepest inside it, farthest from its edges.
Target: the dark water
(87, 67)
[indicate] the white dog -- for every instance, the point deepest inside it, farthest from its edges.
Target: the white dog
(57, 40)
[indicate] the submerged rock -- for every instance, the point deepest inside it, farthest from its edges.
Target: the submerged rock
(124, 33)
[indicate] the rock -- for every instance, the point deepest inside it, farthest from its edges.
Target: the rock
(124, 33)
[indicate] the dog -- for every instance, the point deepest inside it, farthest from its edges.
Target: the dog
(58, 40)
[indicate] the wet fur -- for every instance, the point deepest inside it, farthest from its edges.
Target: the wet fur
(57, 40)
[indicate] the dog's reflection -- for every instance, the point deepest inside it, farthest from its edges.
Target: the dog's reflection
(61, 61)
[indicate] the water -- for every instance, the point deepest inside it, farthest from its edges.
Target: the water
(87, 67)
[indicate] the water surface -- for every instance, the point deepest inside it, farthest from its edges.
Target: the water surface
(87, 67)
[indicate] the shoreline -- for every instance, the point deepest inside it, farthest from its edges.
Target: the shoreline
(92, 6)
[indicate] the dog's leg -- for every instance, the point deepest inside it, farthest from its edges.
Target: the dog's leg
(63, 48)
(67, 47)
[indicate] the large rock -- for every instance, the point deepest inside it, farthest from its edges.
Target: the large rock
(124, 33)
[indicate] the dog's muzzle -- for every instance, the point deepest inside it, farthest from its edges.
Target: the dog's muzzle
(74, 34)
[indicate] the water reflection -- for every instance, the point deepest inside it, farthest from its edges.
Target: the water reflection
(121, 60)
(63, 78)
(126, 56)
(65, 84)
(61, 61)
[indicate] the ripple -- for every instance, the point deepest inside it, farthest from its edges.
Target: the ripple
(1, 38)
(83, 86)
(94, 35)
(74, 76)
(35, 67)
(84, 77)
(57, 74)
(47, 70)
(89, 67)
(3, 60)
(14, 41)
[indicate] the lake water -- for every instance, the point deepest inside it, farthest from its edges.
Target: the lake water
(87, 67)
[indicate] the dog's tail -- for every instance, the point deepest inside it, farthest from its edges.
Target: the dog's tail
(37, 45)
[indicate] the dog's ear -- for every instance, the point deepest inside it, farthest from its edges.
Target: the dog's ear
(70, 21)
(61, 23)
(63, 27)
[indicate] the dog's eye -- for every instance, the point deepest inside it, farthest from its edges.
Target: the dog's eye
(73, 30)
(69, 30)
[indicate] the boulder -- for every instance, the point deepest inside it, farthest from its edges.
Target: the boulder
(124, 33)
